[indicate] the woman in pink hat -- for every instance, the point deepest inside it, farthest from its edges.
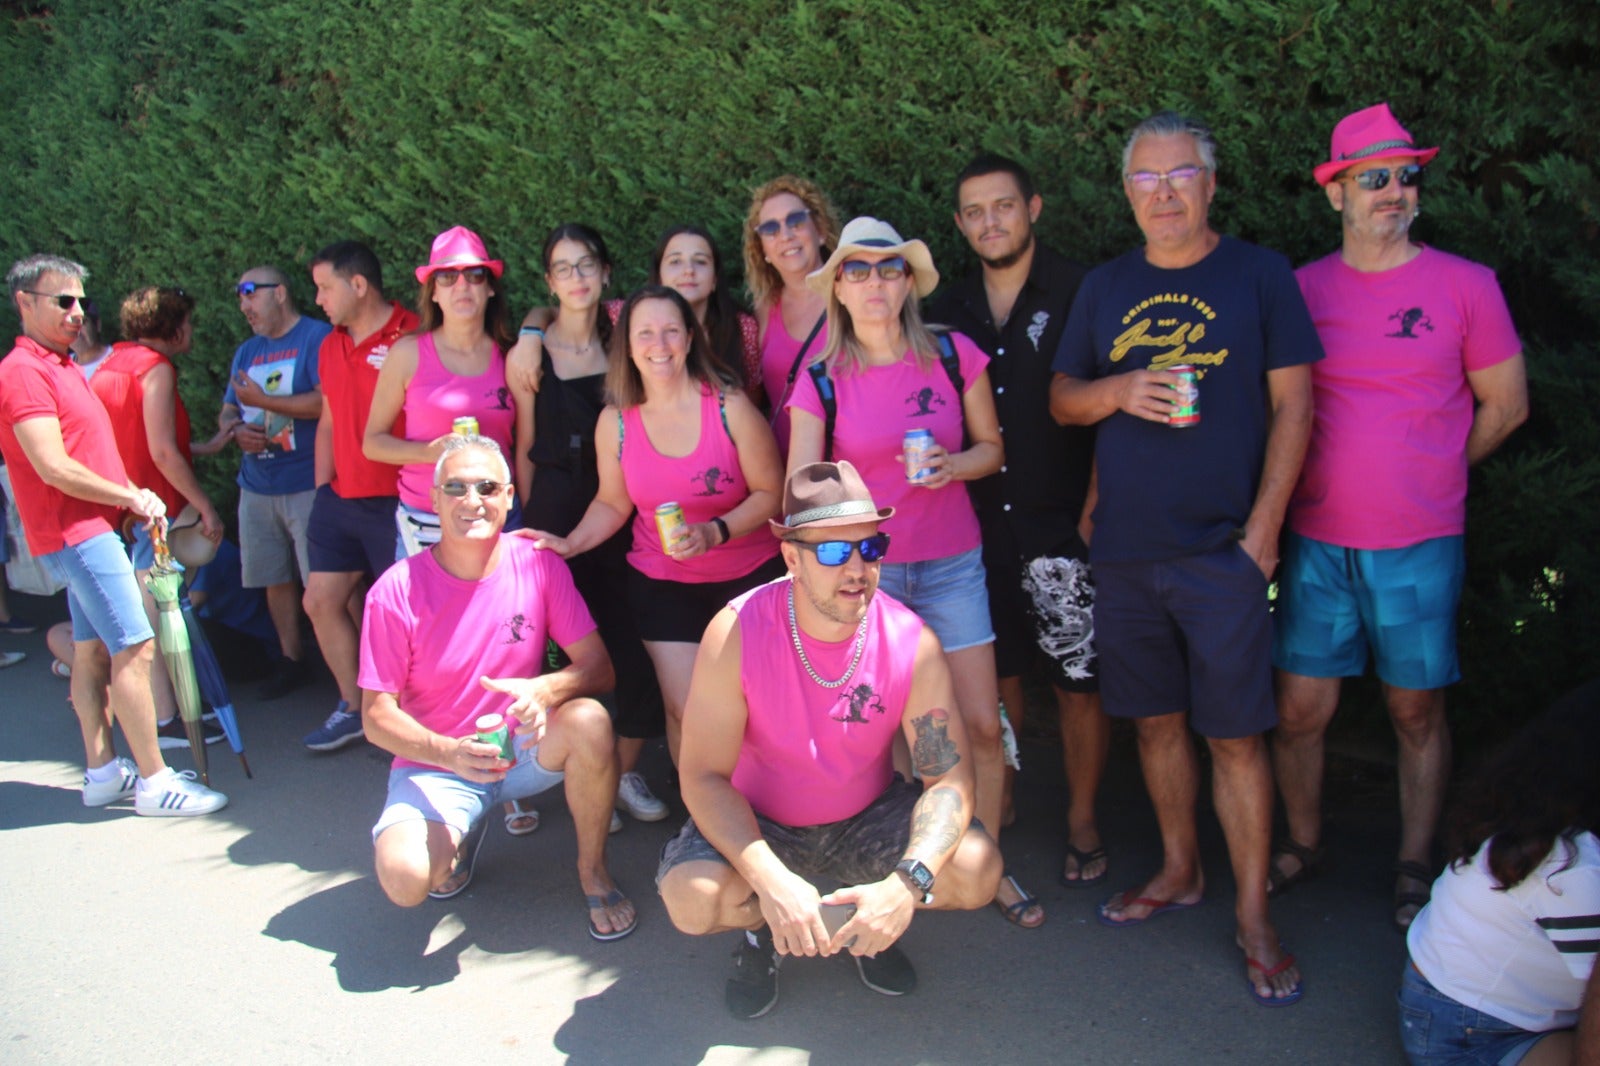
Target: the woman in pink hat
(677, 431)
(453, 367)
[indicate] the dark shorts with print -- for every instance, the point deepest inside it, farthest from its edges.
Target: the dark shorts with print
(1042, 608)
(855, 851)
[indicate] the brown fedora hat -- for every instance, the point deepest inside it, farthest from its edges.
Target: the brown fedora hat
(827, 494)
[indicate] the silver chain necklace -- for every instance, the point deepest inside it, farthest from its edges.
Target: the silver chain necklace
(855, 659)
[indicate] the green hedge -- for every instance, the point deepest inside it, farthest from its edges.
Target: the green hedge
(176, 141)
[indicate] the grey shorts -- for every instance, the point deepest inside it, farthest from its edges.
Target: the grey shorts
(272, 538)
(855, 851)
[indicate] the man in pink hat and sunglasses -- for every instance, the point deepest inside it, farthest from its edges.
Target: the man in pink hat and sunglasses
(1423, 377)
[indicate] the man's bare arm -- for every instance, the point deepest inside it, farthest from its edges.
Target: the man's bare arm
(40, 440)
(389, 727)
(588, 674)
(1502, 394)
(1289, 391)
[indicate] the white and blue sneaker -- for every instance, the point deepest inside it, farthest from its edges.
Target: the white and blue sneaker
(342, 727)
(100, 793)
(174, 794)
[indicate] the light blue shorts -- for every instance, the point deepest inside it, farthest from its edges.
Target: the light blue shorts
(430, 794)
(1334, 602)
(101, 592)
(1437, 1030)
(949, 594)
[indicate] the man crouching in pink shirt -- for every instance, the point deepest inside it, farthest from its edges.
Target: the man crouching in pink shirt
(458, 632)
(799, 690)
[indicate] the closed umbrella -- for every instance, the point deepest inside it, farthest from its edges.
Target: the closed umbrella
(212, 684)
(172, 636)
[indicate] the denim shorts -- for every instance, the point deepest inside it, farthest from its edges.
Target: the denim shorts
(432, 794)
(102, 593)
(142, 551)
(1438, 1031)
(949, 594)
(1333, 602)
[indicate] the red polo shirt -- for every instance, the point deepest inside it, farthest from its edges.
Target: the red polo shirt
(38, 383)
(349, 374)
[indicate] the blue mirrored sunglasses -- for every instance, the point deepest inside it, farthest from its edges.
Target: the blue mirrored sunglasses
(838, 552)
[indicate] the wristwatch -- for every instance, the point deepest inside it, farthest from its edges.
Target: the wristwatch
(920, 876)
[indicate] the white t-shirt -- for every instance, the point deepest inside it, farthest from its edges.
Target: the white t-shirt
(1524, 954)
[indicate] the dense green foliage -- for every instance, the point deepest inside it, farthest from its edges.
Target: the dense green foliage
(176, 141)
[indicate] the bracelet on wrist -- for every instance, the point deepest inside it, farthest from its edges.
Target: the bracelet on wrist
(531, 331)
(722, 527)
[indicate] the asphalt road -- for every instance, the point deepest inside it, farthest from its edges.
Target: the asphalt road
(259, 934)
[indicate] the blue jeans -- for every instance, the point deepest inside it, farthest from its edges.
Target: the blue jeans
(1438, 1031)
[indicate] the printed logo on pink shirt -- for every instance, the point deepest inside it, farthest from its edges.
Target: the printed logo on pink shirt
(924, 398)
(1409, 318)
(514, 627)
(855, 704)
(711, 481)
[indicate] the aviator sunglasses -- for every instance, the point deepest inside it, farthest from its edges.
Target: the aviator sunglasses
(838, 552)
(859, 270)
(461, 488)
(1410, 176)
(792, 221)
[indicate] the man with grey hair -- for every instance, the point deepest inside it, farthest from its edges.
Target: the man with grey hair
(457, 633)
(270, 410)
(71, 490)
(1192, 491)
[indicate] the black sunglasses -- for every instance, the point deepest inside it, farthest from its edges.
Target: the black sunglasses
(792, 221)
(249, 288)
(1410, 176)
(62, 300)
(460, 488)
(838, 552)
(474, 275)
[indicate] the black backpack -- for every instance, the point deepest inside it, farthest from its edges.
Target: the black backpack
(830, 400)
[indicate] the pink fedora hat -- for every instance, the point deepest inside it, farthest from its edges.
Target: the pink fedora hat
(455, 249)
(1371, 133)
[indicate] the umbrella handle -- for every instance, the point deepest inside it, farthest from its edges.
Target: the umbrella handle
(158, 540)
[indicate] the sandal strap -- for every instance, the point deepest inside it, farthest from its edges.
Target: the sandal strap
(1414, 870)
(1308, 857)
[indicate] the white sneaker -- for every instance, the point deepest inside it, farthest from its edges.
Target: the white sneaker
(177, 795)
(635, 797)
(616, 823)
(100, 793)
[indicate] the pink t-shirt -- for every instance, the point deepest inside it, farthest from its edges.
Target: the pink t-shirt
(814, 755)
(875, 408)
(435, 398)
(778, 350)
(707, 483)
(1387, 466)
(428, 637)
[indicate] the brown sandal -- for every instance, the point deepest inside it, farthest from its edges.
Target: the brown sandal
(1310, 860)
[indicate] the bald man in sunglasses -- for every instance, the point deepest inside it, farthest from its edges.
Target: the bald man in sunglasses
(799, 691)
(1423, 377)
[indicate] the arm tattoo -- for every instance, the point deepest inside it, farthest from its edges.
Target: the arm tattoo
(934, 752)
(935, 823)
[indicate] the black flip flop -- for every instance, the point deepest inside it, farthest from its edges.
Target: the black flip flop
(1083, 859)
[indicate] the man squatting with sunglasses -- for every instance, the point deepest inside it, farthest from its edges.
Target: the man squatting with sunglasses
(799, 690)
(1423, 376)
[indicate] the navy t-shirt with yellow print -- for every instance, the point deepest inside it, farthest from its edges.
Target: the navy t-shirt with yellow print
(1167, 492)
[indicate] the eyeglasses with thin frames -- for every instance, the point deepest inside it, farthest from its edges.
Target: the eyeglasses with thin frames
(587, 267)
(1178, 178)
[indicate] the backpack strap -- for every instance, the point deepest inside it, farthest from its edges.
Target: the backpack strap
(830, 406)
(949, 360)
(622, 434)
(722, 409)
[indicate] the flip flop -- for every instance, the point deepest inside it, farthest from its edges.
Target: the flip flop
(1083, 859)
(1161, 906)
(521, 814)
(466, 863)
(610, 899)
(1272, 1001)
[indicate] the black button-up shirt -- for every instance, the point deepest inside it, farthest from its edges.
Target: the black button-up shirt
(1040, 490)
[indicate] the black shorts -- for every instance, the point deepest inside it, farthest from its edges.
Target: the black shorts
(601, 575)
(855, 851)
(347, 536)
(677, 612)
(1042, 606)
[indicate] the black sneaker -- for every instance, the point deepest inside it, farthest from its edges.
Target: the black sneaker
(888, 973)
(753, 988)
(173, 735)
(287, 675)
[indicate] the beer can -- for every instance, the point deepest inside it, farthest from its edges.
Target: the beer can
(670, 523)
(1186, 398)
(466, 425)
(492, 729)
(914, 446)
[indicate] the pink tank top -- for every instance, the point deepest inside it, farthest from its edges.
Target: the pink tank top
(707, 483)
(435, 398)
(778, 350)
(813, 755)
